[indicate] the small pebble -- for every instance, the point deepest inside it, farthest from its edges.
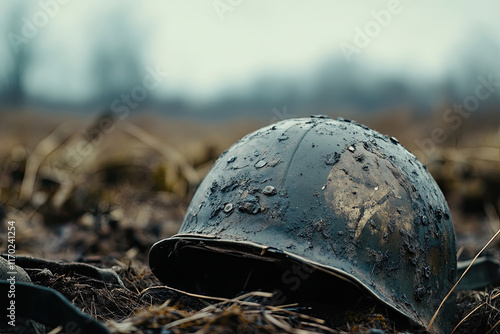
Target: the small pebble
(260, 164)
(376, 331)
(269, 191)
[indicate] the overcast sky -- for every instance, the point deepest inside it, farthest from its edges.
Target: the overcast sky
(204, 49)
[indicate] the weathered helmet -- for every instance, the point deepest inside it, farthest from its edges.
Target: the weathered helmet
(331, 194)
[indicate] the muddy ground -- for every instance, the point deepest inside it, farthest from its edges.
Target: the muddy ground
(102, 191)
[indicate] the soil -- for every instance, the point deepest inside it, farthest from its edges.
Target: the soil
(104, 199)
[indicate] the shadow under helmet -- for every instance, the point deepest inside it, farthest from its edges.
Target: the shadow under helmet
(316, 195)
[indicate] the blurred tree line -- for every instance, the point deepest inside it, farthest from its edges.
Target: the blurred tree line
(114, 61)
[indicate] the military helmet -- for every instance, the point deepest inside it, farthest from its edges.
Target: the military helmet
(332, 195)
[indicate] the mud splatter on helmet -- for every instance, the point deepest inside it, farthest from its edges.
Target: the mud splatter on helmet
(330, 194)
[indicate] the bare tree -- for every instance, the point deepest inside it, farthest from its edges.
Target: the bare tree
(20, 55)
(117, 64)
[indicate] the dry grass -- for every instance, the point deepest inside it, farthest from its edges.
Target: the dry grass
(236, 315)
(115, 202)
(479, 312)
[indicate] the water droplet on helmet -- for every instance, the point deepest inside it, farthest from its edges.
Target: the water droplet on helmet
(260, 164)
(231, 159)
(269, 191)
(228, 207)
(394, 140)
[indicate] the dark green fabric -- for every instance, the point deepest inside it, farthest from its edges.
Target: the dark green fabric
(48, 307)
(105, 275)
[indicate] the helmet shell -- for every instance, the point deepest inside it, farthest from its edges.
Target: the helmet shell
(335, 194)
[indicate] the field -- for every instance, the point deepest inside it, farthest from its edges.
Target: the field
(102, 190)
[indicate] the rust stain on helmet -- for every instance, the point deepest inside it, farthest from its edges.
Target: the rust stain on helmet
(366, 189)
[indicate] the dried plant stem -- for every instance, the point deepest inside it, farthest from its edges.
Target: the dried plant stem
(492, 328)
(467, 316)
(456, 284)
